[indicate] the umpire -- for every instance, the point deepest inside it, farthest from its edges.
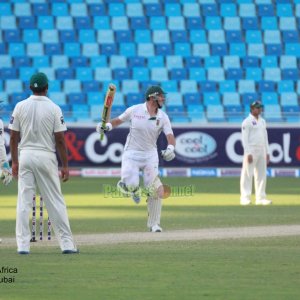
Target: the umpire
(37, 124)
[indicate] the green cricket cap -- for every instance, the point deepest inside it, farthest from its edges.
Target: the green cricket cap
(256, 104)
(38, 80)
(154, 89)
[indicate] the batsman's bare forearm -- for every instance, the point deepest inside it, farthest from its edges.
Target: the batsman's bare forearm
(116, 122)
(61, 148)
(171, 139)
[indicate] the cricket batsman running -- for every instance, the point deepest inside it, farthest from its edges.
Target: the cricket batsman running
(147, 121)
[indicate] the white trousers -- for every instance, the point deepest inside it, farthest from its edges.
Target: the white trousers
(258, 169)
(132, 163)
(40, 169)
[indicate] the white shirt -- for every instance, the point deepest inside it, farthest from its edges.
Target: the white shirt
(144, 132)
(254, 134)
(37, 118)
(3, 157)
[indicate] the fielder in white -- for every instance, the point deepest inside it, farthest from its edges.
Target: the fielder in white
(256, 157)
(147, 121)
(5, 171)
(37, 124)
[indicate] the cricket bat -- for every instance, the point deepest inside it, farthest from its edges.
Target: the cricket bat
(109, 98)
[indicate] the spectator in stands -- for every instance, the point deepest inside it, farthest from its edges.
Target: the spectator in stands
(256, 157)
(147, 121)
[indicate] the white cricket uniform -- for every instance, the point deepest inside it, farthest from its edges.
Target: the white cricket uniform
(3, 157)
(37, 119)
(140, 152)
(255, 142)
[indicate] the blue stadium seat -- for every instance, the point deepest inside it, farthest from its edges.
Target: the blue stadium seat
(17, 97)
(230, 99)
(291, 113)
(87, 36)
(171, 86)
(215, 113)
(238, 49)
(71, 86)
(95, 98)
(285, 86)
(179, 36)
(209, 10)
(121, 74)
(234, 36)
(246, 86)
(140, 73)
(102, 72)
(134, 98)
(55, 86)
(250, 62)
(116, 9)
(188, 86)
(265, 10)
(78, 10)
(213, 23)
(130, 86)
(64, 73)
(76, 62)
(136, 61)
(64, 23)
(174, 99)
(146, 49)
(290, 74)
(161, 49)
(211, 99)
(59, 9)
(272, 113)
(272, 74)
(22, 9)
(234, 74)
(193, 62)
(250, 23)
(13, 86)
(118, 61)
(41, 9)
(138, 23)
(123, 36)
(231, 62)
(266, 86)
(134, 10)
(90, 49)
(269, 98)
(227, 86)
(198, 74)
(97, 9)
(8, 73)
(8, 22)
(21, 61)
(269, 23)
(119, 23)
(254, 36)
(67, 36)
(289, 99)
(128, 49)
(274, 49)
(234, 113)
(196, 113)
(25, 73)
(90, 86)
(256, 50)
(228, 10)
(45, 22)
(72, 49)
(53, 49)
(201, 50)
(101, 22)
(16, 49)
(208, 86)
(142, 36)
(215, 74)
(159, 74)
(108, 49)
(290, 36)
(11, 36)
(192, 99)
(153, 9)
(248, 98)
(194, 23)
(254, 74)
(172, 9)
(41, 61)
(191, 10)
(176, 23)
(84, 73)
(76, 98)
(82, 23)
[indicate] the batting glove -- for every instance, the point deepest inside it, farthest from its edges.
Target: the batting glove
(100, 129)
(169, 153)
(5, 173)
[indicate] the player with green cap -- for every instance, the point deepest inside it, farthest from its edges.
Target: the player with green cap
(37, 131)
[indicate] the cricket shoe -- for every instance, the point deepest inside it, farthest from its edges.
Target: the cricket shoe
(245, 202)
(156, 228)
(122, 187)
(263, 202)
(73, 251)
(136, 197)
(23, 252)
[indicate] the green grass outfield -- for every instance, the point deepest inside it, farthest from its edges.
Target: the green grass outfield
(256, 268)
